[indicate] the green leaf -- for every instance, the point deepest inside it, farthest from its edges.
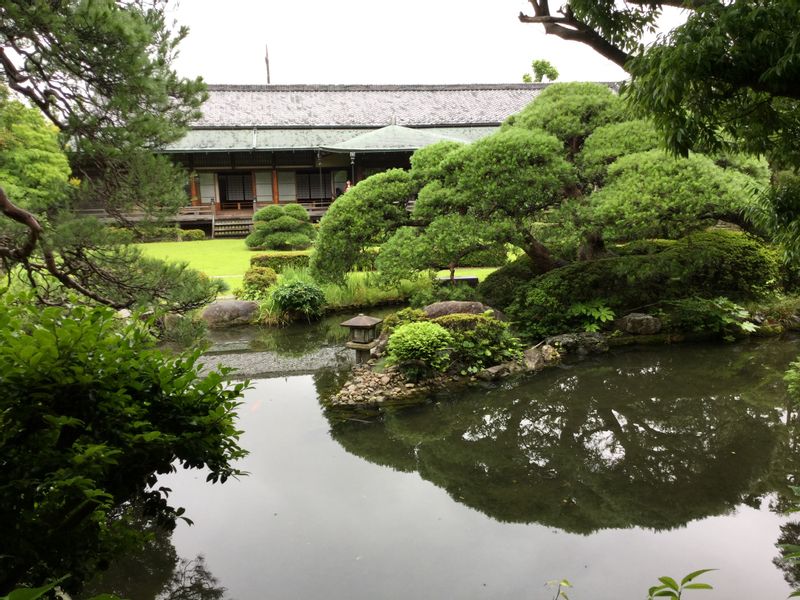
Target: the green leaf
(694, 575)
(32, 593)
(698, 586)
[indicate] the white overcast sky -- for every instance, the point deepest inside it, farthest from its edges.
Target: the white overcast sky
(369, 41)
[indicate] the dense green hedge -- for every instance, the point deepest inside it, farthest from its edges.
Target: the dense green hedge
(280, 261)
(191, 235)
(708, 264)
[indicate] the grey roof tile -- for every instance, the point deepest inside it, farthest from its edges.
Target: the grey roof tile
(283, 106)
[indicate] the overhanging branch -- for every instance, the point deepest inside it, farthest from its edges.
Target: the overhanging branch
(568, 27)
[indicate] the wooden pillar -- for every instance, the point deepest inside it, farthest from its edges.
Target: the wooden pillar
(275, 192)
(253, 189)
(193, 191)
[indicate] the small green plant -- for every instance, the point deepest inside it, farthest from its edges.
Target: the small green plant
(279, 261)
(420, 349)
(670, 588)
(403, 316)
(256, 283)
(595, 314)
(299, 298)
(559, 585)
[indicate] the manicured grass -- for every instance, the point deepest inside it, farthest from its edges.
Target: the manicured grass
(229, 259)
(220, 259)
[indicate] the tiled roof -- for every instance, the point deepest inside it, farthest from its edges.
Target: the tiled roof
(392, 138)
(311, 106)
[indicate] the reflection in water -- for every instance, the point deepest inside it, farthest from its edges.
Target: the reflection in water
(155, 571)
(294, 340)
(650, 438)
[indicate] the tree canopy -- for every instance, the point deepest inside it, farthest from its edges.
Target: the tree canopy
(101, 72)
(727, 76)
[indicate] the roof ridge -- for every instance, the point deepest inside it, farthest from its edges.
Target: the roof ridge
(304, 87)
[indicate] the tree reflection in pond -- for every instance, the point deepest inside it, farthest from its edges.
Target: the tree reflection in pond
(156, 572)
(652, 438)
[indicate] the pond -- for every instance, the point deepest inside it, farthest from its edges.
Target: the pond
(610, 473)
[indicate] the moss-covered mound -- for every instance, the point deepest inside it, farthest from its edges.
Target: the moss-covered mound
(708, 264)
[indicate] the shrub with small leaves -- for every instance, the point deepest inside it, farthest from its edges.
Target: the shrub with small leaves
(256, 283)
(403, 316)
(479, 341)
(299, 298)
(420, 348)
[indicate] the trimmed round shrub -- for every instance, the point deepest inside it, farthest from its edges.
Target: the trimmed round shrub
(420, 347)
(479, 341)
(707, 265)
(191, 235)
(299, 298)
(256, 282)
(277, 227)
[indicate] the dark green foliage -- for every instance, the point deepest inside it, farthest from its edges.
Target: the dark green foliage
(499, 288)
(281, 227)
(606, 144)
(420, 348)
(256, 283)
(707, 264)
(191, 235)
(154, 233)
(653, 246)
(363, 217)
(89, 415)
(654, 195)
(279, 262)
(726, 77)
(299, 298)
(706, 315)
(571, 112)
(479, 341)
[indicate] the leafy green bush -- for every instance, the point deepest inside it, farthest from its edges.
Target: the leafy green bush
(608, 143)
(479, 341)
(280, 261)
(277, 227)
(652, 246)
(191, 235)
(403, 316)
(156, 234)
(91, 413)
(707, 315)
(420, 348)
(299, 298)
(705, 264)
(256, 283)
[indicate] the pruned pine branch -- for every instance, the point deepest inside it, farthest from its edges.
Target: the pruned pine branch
(569, 27)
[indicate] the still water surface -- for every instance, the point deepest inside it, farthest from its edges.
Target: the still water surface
(610, 473)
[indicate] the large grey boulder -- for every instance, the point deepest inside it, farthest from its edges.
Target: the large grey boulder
(639, 324)
(578, 343)
(230, 313)
(458, 307)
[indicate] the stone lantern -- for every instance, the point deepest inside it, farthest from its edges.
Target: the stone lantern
(363, 335)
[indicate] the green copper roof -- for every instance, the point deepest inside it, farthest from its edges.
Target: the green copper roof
(392, 138)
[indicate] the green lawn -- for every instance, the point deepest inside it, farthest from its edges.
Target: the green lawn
(220, 259)
(229, 259)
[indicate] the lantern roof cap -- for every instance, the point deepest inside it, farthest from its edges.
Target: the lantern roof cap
(361, 321)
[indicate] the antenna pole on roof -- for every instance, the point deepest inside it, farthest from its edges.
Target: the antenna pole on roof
(266, 60)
